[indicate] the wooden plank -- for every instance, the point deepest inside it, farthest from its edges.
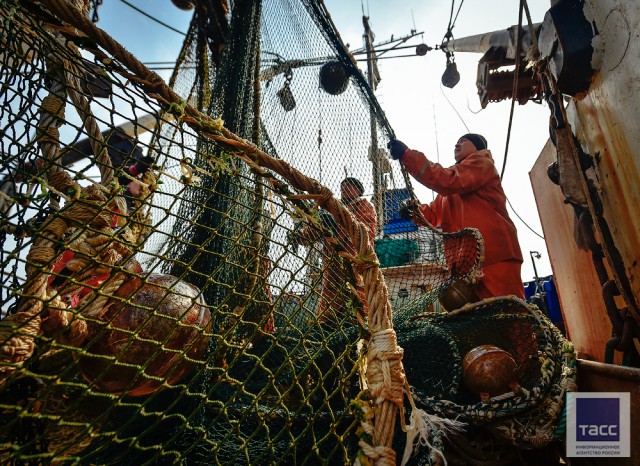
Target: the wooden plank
(579, 289)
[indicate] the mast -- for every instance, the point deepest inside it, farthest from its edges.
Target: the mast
(373, 78)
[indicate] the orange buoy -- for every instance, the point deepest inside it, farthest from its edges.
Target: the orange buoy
(143, 339)
(457, 295)
(489, 371)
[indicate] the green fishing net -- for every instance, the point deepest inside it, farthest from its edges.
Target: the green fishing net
(170, 294)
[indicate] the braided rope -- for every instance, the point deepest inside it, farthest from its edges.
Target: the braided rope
(96, 139)
(540, 407)
(18, 331)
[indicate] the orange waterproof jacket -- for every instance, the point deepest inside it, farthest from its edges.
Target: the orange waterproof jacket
(335, 295)
(364, 212)
(469, 195)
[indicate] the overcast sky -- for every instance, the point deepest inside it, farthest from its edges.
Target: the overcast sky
(430, 117)
(425, 115)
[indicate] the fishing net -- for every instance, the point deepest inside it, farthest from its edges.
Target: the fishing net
(181, 282)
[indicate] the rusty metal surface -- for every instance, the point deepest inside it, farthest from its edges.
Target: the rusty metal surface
(606, 123)
(599, 377)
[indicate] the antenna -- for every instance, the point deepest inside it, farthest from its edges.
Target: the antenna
(535, 255)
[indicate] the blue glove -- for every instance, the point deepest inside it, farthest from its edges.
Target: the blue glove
(396, 148)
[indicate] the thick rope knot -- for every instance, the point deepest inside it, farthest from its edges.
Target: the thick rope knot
(41, 255)
(62, 181)
(92, 207)
(62, 324)
(56, 227)
(380, 455)
(53, 105)
(48, 134)
(15, 348)
(540, 437)
(18, 332)
(386, 374)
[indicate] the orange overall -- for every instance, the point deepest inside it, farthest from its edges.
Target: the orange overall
(334, 294)
(470, 195)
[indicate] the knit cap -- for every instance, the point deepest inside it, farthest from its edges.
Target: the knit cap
(477, 139)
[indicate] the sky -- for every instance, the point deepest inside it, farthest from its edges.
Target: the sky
(424, 114)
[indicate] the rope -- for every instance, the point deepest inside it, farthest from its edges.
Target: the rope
(534, 37)
(514, 92)
(323, 14)
(19, 330)
(96, 139)
(152, 18)
(557, 354)
(246, 397)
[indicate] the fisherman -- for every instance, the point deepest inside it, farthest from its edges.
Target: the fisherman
(334, 295)
(351, 192)
(470, 194)
(127, 156)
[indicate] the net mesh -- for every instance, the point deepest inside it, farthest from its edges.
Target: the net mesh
(180, 280)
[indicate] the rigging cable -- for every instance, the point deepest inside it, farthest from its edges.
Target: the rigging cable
(523, 4)
(386, 58)
(454, 109)
(435, 128)
(475, 112)
(452, 20)
(144, 13)
(514, 94)
(449, 35)
(523, 222)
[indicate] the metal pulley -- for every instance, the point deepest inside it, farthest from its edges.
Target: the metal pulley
(451, 76)
(285, 95)
(422, 49)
